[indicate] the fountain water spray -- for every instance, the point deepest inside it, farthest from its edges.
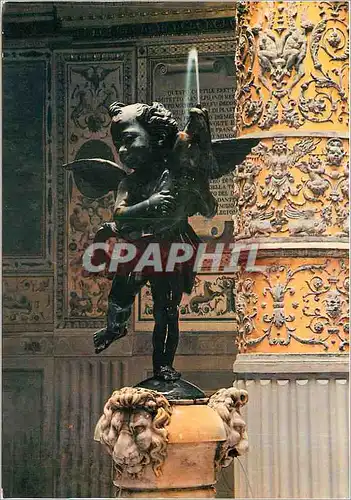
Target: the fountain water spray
(193, 63)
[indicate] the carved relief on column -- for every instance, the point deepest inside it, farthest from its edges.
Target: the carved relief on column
(293, 305)
(293, 188)
(292, 67)
(291, 195)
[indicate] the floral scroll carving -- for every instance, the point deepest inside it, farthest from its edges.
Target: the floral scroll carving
(283, 56)
(326, 305)
(315, 313)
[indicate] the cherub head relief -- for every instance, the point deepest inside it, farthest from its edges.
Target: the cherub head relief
(227, 403)
(333, 303)
(334, 151)
(133, 430)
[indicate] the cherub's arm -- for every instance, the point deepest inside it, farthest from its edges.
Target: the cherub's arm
(122, 211)
(125, 212)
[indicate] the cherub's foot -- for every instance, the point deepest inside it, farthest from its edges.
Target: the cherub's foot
(103, 338)
(167, 373)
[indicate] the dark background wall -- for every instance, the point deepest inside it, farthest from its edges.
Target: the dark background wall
(62, 65)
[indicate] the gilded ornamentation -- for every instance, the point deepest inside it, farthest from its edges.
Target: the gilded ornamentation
(228, 403)
(305, 222)
(256, 223)
(292, 61)
(133, 429)
(326, 304)
(279, 160)
(317, 315)
(334, 151)
(283, 55)
(316, 183)
(281, 50)
(290, 187)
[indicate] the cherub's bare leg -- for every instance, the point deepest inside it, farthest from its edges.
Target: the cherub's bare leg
(159, 289)
(165, 339)
(159, 337)
(120, 302)
(173, 330)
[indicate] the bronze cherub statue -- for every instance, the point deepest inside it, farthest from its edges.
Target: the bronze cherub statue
(168, 182)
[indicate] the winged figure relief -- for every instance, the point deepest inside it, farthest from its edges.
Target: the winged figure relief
(278, 55)
(280, 160)
(306, 222)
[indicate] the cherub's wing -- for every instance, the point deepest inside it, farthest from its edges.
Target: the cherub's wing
(266, 215)
(229, 153)
(95, 177)
(294, 213)
(303, 166)
(302, 148)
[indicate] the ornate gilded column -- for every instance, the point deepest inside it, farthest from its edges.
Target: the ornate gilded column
(291, 199)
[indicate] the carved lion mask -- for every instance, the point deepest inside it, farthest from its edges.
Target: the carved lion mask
(227, 403)
(133, 430)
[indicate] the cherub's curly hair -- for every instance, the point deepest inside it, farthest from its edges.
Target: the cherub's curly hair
(137, 398)
(158, 120)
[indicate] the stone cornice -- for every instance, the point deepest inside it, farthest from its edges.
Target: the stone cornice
(118, 13)
(107, 14)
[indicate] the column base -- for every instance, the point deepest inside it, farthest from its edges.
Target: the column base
(297, 422)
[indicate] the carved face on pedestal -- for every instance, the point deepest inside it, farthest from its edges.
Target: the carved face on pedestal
(133, 429)
(227, 403)
(134, 435)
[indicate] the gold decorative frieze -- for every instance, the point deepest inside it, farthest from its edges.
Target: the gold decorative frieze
(291, 305)
(293, 188)
(295, 305)
(291, 194)
(292, 67)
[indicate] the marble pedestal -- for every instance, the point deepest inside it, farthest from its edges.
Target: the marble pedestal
(170, 444)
